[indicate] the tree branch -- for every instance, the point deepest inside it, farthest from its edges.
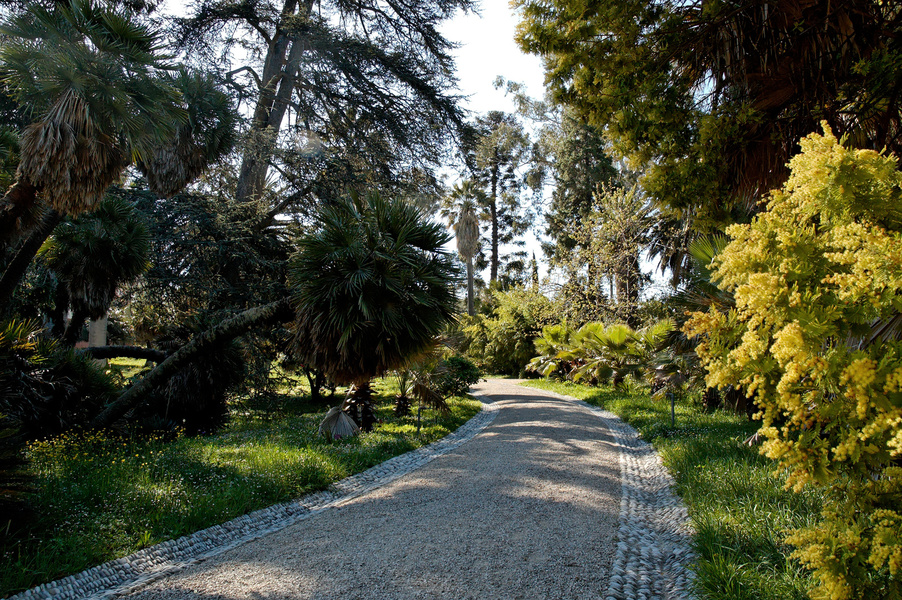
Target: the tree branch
(228, 329)
(139, 352)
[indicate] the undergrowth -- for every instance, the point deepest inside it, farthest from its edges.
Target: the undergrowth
(96, 496)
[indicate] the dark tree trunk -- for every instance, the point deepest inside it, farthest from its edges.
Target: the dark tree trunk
(627, 281)
(139, 352)
(280, 71)
(17, 267)
(711, 399)
(73, 329)
(494, 212)
(228, 329)
(317, 381)
(60, 306)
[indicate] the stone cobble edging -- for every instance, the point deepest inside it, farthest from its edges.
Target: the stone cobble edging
(124, 575)
(653, 539)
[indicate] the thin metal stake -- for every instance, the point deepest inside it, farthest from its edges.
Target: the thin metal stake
(672, 409)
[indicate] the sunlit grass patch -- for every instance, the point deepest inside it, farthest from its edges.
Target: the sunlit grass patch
(99, 496)
(736, 500)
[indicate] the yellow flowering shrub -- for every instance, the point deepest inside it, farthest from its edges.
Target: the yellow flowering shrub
(817, 279)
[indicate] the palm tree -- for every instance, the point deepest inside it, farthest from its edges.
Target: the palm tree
(92, 256)
(372, 286)
(91, 78)
(554, 341)
(605, 352)
(207, 134)
(466, 230)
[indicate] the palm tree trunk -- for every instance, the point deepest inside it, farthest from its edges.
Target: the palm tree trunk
(18, 211)
(359, 404)
(494, 210)
(471, 308)
(228, 329)
(17, 267)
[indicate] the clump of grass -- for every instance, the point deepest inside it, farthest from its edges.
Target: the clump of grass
(97, 496)
(736, 500)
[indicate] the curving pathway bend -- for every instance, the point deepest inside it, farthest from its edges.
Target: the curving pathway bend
(539, 496)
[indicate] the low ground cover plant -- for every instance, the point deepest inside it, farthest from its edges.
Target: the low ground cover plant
(737, 501)
(97, 496)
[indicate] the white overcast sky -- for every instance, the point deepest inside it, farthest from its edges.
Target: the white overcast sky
(487, 50)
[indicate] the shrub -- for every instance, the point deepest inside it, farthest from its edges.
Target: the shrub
(503, 341)
(817, 280)
(44, 389)
(455, 375)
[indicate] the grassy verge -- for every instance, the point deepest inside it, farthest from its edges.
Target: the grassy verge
(98, 497)
(737, 503)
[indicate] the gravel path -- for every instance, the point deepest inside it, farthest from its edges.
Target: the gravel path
(527, 509)
(538, 496)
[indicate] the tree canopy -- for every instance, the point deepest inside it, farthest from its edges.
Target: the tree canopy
(342, 94)
(713, 96)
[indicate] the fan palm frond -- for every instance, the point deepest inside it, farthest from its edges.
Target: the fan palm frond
(371, 286)
(207, 134)
(98, 252)
(92, 77)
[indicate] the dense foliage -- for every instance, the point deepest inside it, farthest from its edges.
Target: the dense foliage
(815, 337)
(372, 287)
(597, 353)
(502, 341)
(713, 95)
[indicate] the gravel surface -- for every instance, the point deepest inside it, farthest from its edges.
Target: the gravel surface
(537, 496)
(529, 508)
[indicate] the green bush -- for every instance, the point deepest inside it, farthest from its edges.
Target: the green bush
(503, 341)
(456, 375)
(45, 389)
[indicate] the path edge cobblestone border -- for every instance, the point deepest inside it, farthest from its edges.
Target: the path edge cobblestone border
(654, 535)
(128, 574)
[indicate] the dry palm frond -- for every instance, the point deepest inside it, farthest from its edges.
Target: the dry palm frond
(336, 424)
(467, 231)
(171, 167)
(429, 397)
(207, 135)
(70, 162)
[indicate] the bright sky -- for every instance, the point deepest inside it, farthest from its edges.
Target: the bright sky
(487, 50)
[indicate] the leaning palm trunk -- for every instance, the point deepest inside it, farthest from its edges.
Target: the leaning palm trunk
(471, 309)
(18, 266)
(228, 329)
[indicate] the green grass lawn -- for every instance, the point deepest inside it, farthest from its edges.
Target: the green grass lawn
(96, 497)
(737, 503)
